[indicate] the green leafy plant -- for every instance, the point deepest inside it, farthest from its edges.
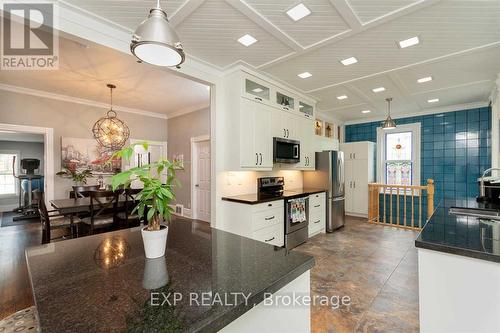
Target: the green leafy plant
(156, 196)
(79, 177)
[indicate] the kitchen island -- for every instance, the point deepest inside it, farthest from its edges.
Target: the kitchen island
(459, 269)
(209, 281)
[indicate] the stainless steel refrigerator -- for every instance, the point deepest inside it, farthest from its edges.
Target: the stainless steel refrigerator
(329, 175)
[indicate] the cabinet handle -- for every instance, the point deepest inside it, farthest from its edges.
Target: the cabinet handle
(257, 162)
(260, 158)
(269, 218)
(354, 155)
(269, 205)
(354, 184)
(317, 206)
(318, 221)
(350, 184)
(284, 133)
(258, 98)
(268, 240)
(285, 108)
(287, 133)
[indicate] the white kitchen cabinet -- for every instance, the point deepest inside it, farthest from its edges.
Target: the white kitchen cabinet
(259, 111)
(285, 125)
(359, 172)
(317, 214)
(263, 222)
(255, 135)
(306, 138)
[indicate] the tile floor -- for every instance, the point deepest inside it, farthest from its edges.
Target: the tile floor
(376, 267)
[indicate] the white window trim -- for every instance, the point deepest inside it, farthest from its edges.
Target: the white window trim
(18, 166)
(415, 128)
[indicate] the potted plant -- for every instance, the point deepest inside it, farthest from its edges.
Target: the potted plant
(78, 177)
(154, 199)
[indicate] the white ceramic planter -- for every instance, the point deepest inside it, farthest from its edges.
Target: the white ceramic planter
(155, 242)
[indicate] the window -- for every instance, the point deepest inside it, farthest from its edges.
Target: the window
(8, 184)
(398, 157)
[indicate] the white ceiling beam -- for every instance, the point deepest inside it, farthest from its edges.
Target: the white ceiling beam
(383, 19)
(347, 13)
(184, 11)
(428, 61)
(265, 24)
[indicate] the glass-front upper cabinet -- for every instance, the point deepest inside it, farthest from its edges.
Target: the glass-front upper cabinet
(285, 101)
(306, 109)
(260, 92)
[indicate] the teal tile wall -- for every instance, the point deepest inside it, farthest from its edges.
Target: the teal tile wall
(455, 148)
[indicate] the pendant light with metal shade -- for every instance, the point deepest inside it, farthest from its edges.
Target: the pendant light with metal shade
(389, 123)
(156, 42)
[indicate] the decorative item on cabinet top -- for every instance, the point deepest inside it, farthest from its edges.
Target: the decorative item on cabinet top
(318, 130)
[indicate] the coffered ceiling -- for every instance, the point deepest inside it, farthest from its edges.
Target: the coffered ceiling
(459, 46)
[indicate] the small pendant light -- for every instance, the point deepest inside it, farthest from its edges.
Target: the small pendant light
(110, 131)
(389, 123)
(156, 42)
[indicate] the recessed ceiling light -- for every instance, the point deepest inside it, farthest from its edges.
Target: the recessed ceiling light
(379, 89)
(258, 90)
(366, 111)
(341, 97)
(425, 79)
(409, 42)
(298, 12)
(247, 40)
(304, 75)
(434, 100)
(349, 61)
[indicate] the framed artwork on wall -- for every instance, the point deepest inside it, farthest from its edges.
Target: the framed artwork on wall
(82, 154)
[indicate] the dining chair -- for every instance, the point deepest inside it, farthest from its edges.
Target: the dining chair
(51, 219)
(82, 191)
(103, 209)
(124, 216)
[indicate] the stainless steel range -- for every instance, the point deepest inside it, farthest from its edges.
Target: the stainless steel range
(296, 209)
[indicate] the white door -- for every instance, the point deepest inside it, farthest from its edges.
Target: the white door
(202, 181)
(349, 189)
(360, 186)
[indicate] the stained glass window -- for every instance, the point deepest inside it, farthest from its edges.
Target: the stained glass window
(398, 158)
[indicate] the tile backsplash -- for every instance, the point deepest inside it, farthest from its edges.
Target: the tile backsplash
(245, 182)
(455, 148)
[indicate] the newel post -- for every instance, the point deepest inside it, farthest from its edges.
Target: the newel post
(430, 197)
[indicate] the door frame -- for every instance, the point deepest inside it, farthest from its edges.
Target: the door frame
(194, 169)
(151, 142)
(48, 153)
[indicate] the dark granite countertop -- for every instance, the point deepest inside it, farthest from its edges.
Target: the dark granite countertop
(103, 283)
(253, 199)
(462, 235)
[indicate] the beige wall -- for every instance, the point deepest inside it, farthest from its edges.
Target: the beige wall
(180, 131)
(70, 120)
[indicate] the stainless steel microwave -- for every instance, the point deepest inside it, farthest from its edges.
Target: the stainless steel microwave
(286, 150)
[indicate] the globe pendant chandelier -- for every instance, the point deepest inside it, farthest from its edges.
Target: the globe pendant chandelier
(109, 131)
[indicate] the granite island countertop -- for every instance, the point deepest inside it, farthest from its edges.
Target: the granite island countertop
(462, 235)
(253, 199)
(103, 283)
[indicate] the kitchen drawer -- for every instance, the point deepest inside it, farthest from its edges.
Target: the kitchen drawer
(317, 199)
(269, 205)
(316, 225)
(267, 218)
(274, 235)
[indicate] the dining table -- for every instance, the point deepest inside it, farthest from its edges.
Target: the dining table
(72, 206)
